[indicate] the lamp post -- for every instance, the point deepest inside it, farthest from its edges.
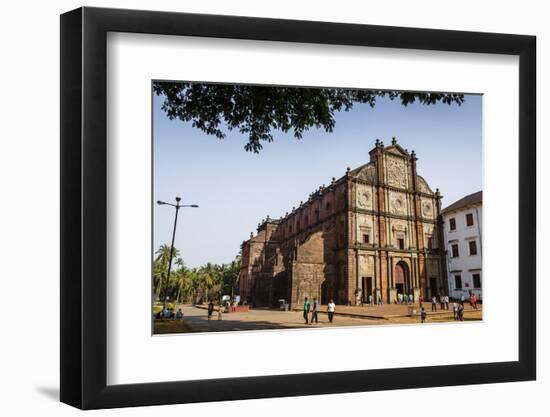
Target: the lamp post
(177, 206)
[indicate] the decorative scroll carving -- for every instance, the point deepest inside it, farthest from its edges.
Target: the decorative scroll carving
(422, 185)
(368, 174)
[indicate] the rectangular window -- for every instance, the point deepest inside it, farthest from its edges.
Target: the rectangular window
(469, 219)
(458, 282)
(477, 280)
(430, 243)
(365, 238)
(454, 249)
(401, 243)
(473, 247)
(452, 223)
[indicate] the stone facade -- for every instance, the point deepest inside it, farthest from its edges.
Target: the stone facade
(375, 231)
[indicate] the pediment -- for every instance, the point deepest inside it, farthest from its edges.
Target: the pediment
(397, 150)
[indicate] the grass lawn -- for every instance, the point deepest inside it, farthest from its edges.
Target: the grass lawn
(171, 326)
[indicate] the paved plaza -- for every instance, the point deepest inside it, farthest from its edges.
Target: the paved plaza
(196, 318)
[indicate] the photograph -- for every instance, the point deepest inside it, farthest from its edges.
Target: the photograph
(291, 207)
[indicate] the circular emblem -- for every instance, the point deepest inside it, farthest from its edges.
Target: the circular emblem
(427, 209)
(364, 199)
(397, 204)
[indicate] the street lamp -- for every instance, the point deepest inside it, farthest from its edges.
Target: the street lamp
(177, 206)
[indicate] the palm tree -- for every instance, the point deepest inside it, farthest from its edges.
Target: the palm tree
(160, 267)
(182, 282)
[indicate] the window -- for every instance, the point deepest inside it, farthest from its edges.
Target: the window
(458, 282)
(430, 243)
(469, 219)
(477, 280)
(328, 206)
(454, 250)
(365, 238)
(401, 243)
(307, 221)
(473, 247)
(452, 224)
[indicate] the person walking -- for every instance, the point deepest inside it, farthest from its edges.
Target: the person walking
(331, 308)
(434, 303)
(370, 300)
(446, 303)
(210, 309)
(455, 311)
(462, 299)
(422, 315)
(474, 302)
(461, 312)
(306, 310)
(314, 312)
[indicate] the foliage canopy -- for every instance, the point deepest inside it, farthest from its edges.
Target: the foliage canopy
(258, 110)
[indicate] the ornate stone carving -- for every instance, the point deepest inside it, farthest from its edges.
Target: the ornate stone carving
(398, 226)
(398, 203)
(364, 197)
(366, 265)
(396, 171)
(427, 209)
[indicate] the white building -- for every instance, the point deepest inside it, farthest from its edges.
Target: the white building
(462, 236)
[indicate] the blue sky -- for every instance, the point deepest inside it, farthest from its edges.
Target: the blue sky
(235, 189)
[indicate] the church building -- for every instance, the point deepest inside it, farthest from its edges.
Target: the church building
(375, 231)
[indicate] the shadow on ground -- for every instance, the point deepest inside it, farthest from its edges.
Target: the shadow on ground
(50, 392)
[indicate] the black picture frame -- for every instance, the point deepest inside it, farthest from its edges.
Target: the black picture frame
(84, 207)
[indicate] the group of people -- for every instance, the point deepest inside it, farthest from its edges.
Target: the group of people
(458, 311)
(210, 310)
(443, 300)
(168, 313)
(314, 308)
(405, 298)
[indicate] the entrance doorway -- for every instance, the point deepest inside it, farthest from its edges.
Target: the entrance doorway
(367, 288)
(402, 278)
(433, 287)
(325, 297)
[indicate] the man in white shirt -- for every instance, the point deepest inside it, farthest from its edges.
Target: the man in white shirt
(331, 308)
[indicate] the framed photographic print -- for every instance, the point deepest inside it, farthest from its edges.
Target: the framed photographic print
(258, 208)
